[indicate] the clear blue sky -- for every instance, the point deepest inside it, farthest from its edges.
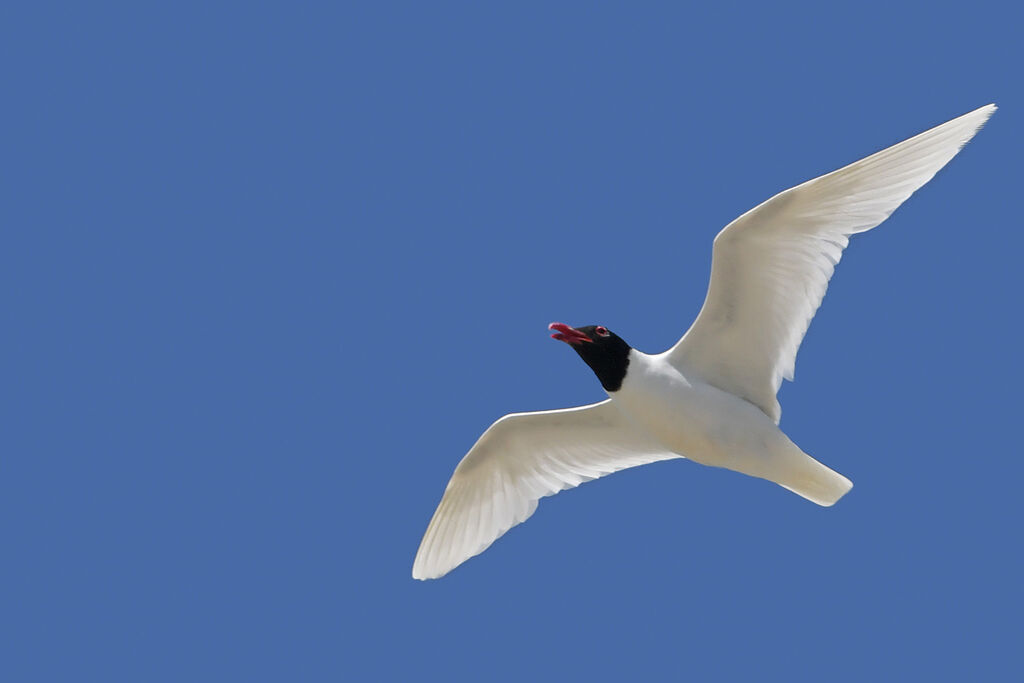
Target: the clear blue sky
(268, 272)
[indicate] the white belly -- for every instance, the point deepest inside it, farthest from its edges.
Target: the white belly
(713, 427)
(696, 420)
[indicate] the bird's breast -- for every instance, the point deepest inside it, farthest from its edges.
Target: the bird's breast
(691, 418)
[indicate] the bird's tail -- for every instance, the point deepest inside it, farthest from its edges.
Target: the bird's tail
(815, 482)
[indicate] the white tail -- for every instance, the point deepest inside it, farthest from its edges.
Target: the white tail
(815, 482)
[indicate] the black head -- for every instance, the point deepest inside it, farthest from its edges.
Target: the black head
(601, 349)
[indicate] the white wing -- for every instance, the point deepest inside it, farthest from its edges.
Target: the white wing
(771, 266)
(519, 459)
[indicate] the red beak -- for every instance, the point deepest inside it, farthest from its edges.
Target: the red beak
(567, 334)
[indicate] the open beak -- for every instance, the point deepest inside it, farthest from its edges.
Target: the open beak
(567, 334)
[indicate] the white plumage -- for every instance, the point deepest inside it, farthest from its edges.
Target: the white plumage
(771, 266)
(518, 460)
(711, 397)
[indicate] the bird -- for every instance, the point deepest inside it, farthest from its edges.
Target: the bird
(711, 398)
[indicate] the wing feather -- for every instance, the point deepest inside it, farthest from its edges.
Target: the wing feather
(521, 458)
(771, 266)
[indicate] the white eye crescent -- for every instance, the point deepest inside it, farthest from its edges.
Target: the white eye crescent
(601, 331)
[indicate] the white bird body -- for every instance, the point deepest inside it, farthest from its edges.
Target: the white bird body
(711, 398)
(713, 427)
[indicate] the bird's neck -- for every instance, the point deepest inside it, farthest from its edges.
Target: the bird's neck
(610, 366)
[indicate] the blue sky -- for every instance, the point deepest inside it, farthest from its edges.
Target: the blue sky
(269, 270)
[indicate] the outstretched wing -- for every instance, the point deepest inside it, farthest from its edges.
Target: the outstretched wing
(519, 459)
(771, 266)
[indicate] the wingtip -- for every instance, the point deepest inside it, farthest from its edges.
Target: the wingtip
(981, 113)
(421, 571)
(417, 571)
(971, 122)
(420, 576)
(985, 114)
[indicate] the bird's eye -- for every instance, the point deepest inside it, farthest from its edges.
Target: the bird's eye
(601, 331)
